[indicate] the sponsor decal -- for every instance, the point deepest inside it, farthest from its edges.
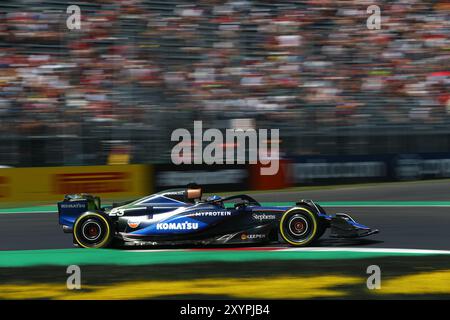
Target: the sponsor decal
(212, 214)
(175, 193)
(414, 168)
(133, 224)
(328, 170)
(177, 226)
(4, 187)
(252, 236)
(101, 182)
(256, 236)
(263, 216)
(74, 205)
(225, 176)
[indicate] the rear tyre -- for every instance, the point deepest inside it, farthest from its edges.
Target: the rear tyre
(92, 230)
(299, 226)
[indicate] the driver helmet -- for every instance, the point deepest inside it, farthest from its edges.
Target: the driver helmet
(214, 198)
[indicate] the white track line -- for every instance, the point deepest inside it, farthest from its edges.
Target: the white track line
(368, 250)
(310, 249)
(156, 250)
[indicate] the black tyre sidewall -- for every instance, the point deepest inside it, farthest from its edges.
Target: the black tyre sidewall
(313, 226)
(106, 233)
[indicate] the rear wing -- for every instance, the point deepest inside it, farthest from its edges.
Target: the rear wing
(75, 205)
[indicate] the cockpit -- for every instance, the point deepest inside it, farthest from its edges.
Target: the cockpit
(216, 200)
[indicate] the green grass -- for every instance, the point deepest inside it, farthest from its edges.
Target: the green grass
(64, 257)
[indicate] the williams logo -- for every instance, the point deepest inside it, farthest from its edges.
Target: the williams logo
(177, 226)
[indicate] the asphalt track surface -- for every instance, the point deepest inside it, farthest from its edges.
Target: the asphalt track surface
(437, 190)
(400, 227)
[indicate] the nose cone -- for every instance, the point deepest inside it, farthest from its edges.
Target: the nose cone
(343, 226)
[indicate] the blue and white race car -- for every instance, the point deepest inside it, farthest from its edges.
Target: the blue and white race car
(180, 216)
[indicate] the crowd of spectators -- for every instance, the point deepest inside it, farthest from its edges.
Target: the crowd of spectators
(299, 64)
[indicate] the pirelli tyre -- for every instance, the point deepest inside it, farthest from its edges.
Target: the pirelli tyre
(92, 230)
(322, 226)
(299, 226)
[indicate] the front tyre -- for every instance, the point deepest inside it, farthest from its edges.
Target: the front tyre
(92, 230)
(299, 226)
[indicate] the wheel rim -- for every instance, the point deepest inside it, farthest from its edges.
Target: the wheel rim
(298, 226)
(91, 230)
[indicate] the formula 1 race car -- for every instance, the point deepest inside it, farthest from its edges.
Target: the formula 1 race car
(180, 216)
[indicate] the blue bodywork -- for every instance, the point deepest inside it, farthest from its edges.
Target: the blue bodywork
(171, 216)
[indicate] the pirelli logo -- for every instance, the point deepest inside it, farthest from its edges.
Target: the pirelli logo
(4, 187)
(101, 182)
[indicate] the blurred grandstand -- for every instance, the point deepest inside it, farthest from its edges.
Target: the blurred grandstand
(138, 69)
